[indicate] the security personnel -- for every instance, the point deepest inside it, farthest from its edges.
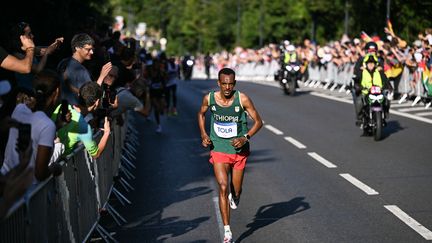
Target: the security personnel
(371, 75)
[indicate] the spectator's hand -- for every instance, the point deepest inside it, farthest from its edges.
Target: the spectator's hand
(107, 128)
(50, 49)
(26, 42)
(105, 69)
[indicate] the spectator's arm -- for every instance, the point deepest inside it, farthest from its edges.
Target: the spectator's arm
(104, 72)
(103, 141)
(41, 164)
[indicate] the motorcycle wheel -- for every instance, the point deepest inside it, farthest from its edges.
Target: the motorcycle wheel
(377, 131)
(292, 87)
(285, 89)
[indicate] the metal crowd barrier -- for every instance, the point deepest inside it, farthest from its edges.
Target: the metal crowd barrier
(408, 88)
(66, 208)
(326, 75)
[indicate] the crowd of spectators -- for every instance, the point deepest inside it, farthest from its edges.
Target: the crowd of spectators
(394, 52)
(47, 111)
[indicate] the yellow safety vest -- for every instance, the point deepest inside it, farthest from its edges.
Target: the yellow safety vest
(290, 58)
(367, 80)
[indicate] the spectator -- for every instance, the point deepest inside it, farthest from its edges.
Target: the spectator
(23, 28)
(126, 100)
(46, 91)
(173, 71)
(79, 130)
(73, 73)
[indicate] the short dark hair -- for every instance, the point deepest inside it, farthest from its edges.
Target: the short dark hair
(45, 83)
(226, 71)
(80, 40)
(89, 93)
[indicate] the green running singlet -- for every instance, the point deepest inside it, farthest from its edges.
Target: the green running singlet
(226, 124)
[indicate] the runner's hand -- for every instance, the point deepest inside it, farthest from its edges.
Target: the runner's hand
(238, 142)
(205, 141)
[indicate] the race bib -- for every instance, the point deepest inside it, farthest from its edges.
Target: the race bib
(225, 130)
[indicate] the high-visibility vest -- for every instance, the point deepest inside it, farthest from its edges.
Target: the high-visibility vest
(290, 57)
(367, 80)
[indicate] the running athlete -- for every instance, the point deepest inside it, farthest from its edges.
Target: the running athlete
(229, 140)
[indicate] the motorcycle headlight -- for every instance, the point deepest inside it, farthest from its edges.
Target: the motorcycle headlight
(376, 97)
(296, 68)
(284, 81)
(189, 62)
(289, 68)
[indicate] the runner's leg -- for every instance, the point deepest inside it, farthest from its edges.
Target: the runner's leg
(221, 171)
(236, 182)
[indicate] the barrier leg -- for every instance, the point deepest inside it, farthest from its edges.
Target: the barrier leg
(116, 215)
(428, 105)
(128, 174)
(126, 185)
(416, 100)
(127, 161)
(105, 234)
(120, 196)
(403, 98)
(130, 155)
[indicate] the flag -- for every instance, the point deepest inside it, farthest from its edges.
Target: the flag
(365, 37)
(390, 26)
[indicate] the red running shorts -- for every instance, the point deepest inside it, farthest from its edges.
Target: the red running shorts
(237, 161)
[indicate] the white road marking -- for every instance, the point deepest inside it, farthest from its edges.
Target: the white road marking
(397, 105)
(295, 142)
(360, 185)
(423, 231)
(331, 97)
(274, 129)
(218, 216)
(412, 109)
(323, 161)
(418, 118)
(428, 113)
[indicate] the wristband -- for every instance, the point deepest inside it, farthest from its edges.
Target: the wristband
(246, 136)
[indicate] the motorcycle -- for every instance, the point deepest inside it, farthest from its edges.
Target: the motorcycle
(373, 113)
(287, 77)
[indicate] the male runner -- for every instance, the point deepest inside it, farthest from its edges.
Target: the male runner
(229, 140)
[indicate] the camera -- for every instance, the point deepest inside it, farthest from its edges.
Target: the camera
(24, 136)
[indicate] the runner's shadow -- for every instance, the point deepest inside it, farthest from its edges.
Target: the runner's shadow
(271, 213)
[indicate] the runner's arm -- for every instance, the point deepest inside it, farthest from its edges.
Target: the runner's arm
(253, 113)
(201, 121)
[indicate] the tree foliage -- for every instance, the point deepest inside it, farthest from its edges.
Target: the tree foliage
(213, 25)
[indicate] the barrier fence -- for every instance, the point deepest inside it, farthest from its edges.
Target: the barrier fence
(331, 76)
(66, 208)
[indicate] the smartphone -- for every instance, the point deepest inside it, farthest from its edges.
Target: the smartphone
(64, 109)
(24, 136)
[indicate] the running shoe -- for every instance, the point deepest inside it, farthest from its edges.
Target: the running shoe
(233, 201)
(228, 237)
(159, 129)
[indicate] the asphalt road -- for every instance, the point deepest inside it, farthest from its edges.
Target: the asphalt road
(311, 176)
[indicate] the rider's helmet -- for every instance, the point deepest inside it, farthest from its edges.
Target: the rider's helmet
(290, 48)
(371, 47)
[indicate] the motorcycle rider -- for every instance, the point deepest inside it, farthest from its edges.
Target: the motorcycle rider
(371, 74)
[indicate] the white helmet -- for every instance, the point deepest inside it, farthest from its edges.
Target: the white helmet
(290, 48)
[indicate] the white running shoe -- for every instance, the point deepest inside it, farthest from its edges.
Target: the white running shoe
(232, 203)
(159, 129)
(228, 237)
